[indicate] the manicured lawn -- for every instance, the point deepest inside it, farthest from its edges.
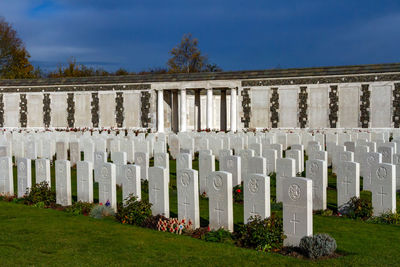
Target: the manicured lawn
(33, 236)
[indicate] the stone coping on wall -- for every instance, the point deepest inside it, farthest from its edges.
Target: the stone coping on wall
(358, 70)
(91, 88)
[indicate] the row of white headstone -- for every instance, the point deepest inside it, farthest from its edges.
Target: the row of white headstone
(218, 185)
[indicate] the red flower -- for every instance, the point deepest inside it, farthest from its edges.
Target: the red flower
(238, 190)
(101, 204)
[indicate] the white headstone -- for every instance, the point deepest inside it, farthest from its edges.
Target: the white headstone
(61, 150)
(296, 155)
(42, 169)
(256, 190)
(387, 154)
(317, 171)
(371, 159)
(348, 182)
(63, 183)
(257, 165)
(257, 149)
(119, 159)
(74, 152)
(396, 162)
(183, 161)
(232, 164)
(383, 188)
(297, 209)
(285, 168)
(24, 176)
(142, 160)
(158, 191)
(88, 151)
(188, 198)
(245, 155)
(131, 182)
(84, 180)
(220, 200)
(162, 160)
(270, 155)
(6, 176)
(107, 184)
(206, 166)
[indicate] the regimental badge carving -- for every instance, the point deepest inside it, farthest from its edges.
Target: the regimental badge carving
(397, 160)
(314, 169)
(185, 180)
(182, 161)
(129, 174)
(253, 185)
(139, 160)
(294, 192)
(229, 164)
(160, 158)
(3, 164)
(40, 166)
(217, 182)
(370, 160)
(60, 170)
(104, 172)
(21, 166)
(381, 173)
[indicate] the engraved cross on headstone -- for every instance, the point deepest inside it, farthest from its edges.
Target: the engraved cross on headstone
(253, 211)
(294, 221)
(155, 189)
(381, 193)
(346, 182)
(186, 204)
(219, 210)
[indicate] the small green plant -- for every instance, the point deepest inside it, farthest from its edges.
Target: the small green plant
(39, 205)
(100, 211)
(325, 213)
(238, 194)
(262, 234)
(40, 193)
(221, 236)
(318, 245)
(134, 211)
(357, 208)
(80, 208)
(386, 218)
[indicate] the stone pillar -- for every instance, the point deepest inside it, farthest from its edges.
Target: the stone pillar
(183, 111)
(197, 110)
(223, 125)
(233, 109)
(160, 111)
(209, 108)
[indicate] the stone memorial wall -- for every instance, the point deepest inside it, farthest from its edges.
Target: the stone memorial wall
(329, 97)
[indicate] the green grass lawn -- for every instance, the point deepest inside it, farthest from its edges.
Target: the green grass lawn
(33, 236)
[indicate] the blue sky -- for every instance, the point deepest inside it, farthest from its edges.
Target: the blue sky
(236, 35)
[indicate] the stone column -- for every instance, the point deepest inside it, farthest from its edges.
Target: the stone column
(209, 108)
(233, 109)
(223, 124)
(183, 111)
(160, 111)
(197, 110)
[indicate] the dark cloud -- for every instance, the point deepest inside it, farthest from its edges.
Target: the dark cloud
(235, 34)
